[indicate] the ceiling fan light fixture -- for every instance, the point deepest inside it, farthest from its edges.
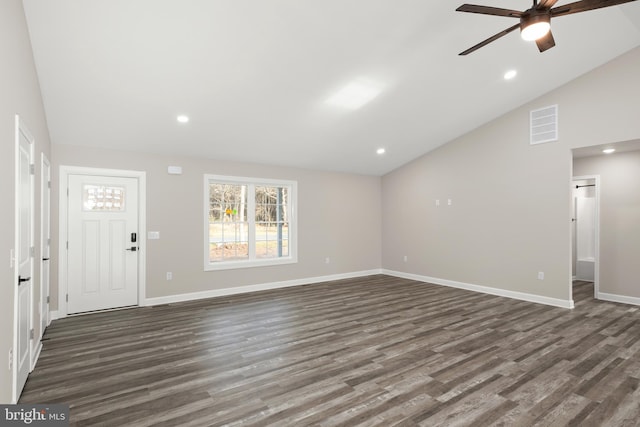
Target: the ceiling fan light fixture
(534, 26)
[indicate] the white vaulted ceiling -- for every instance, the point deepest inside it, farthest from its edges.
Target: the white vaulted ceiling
(254, 76)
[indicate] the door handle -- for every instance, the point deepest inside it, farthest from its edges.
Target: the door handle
(132, 248)
(23, 279)
(45, 259)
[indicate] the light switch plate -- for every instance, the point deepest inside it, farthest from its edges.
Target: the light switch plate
(153, 235)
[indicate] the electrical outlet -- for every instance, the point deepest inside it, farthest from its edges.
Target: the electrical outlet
(540, 275)
(405, 258)
(449, 202)
(11, 358)
(327, 260)
(169, 275)
(437, 202)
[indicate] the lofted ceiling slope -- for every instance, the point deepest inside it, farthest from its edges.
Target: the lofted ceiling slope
(254, 76)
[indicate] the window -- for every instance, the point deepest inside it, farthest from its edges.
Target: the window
(102, 198)
(249, 222)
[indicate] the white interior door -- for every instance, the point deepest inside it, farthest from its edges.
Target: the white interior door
(103, 241)
(45, 244)
(24, 255)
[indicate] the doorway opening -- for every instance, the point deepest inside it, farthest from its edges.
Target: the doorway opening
(45, 243)
(585, 231)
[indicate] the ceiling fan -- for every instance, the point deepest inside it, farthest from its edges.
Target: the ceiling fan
(535, 22)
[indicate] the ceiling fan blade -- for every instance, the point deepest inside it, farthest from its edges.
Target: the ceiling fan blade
(546, 42)
(546, 4)
(490, 39)
(487, 10)
(585, 5)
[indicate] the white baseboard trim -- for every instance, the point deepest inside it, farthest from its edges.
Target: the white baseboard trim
(54, 315)
(618, 298)
(254, 288)
(539, 299)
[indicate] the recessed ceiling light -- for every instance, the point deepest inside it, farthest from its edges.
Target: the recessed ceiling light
(608, 150)
(510, 74)
(380, 151)
(355, 94)
(182, 119)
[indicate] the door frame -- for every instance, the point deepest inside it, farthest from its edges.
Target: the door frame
(20, 128)
(65, 171)
(596, 267)
(45, 288)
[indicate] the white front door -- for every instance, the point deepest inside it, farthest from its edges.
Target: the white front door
(45, 243)
(103, 242)
(24, 255)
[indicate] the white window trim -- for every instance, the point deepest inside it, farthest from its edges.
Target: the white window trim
(293, 224)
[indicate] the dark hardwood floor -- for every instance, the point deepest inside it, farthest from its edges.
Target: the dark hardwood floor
(374, 351)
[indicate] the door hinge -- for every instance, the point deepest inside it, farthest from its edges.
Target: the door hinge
(32, 251)
(32, 169)
(49, 242)
(48, 184)
(67, 245)
(48, 299)
(67, 191)
(67, 297)
(32, 334)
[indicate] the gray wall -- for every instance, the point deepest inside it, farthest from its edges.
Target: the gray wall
(511, 201)
(339, 217)
(20, 95)
(619, 219)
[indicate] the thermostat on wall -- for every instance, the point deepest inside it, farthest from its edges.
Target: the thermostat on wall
(175, 170)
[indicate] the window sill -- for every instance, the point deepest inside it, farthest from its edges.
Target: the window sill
(231, 265)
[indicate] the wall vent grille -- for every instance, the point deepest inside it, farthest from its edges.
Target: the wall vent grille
(544, 125)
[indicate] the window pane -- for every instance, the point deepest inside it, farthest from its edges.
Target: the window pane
(228, 227)
(271, 221)
(272, 240)
(228, 241)
(235, 232)
(227, 202)
(272, 204)
(102, 198)
(228, 251)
